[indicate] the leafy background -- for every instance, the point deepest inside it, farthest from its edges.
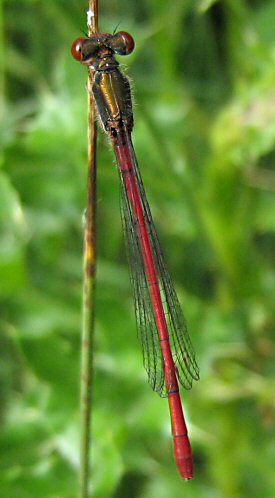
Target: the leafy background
(204, 82)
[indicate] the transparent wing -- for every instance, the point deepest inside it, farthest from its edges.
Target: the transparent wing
(182, 350)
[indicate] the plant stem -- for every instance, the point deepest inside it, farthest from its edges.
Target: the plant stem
(89, 270)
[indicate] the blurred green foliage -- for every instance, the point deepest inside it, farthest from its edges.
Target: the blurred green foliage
(204, 82)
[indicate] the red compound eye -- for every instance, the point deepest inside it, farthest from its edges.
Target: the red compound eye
(76, 49)
(128, 41)
(121, 43)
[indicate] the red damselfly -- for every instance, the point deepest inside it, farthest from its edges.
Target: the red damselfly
(167, 350)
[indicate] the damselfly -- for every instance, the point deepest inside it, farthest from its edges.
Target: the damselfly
(167, 350)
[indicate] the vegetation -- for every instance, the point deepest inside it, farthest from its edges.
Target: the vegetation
(203, 73)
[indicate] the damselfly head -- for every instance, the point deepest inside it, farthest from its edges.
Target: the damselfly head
(102, 44)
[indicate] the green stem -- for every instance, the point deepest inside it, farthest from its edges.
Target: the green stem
(89, 270)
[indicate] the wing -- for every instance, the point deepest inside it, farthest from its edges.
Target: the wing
(180, 343)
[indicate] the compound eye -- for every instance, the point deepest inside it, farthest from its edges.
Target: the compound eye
(122, 43)
(76, 49)
(128, 42)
